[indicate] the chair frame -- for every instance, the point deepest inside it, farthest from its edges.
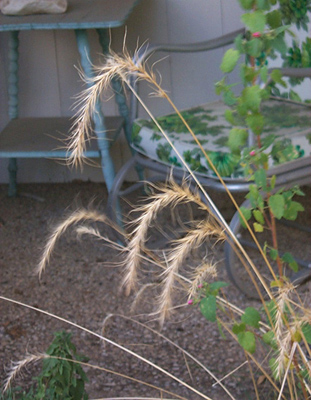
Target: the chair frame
(297, 172)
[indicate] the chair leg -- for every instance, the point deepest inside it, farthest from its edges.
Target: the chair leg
(98, 117)
(113, 205)
(12, 168)
(231, 260)
(13, 101)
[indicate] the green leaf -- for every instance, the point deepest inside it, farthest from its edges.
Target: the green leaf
(229, 98)
(276, 76)
(238, 43)
(305, 58)
(238, 328)
(230, 60)
(208, 308)
(279, 45)
(296, 336)
(276, 284)
(261, 178)
(264, 74)
(255, 122)
(268, 140)
(292, 210)
(294, 96)
(255, 197)
(282, 29)
(251, 97)
(297, 191)
(248, 74)
(274, 19)
(273, 254)
(260, 202)
(272, 310)
(237, 139)
(263, 159)
(247, 4)
(247, 341)
(229, 117)
(272, 181)
(247, 213)
(255, 21)
(277, 204)
(306, 330)
(254, 47)
(259, 216)
(251, 317)
(273, 364)
(220, 86)
(78, 391)
(262, 4)
(268, 337)
(289, 259)
(258, 227)
(288, 195)
(218, 285)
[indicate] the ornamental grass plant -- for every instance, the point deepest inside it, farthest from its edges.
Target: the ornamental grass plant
(276, 335)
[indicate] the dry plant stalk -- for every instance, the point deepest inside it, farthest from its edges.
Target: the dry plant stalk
(124, 68)
(193, 239)
(115, 66)
(75, 218)
(203, 273)
(18, 366)
(170, 195)
(185, 352)
(111, 342)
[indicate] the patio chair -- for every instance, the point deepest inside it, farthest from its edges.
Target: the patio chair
(152, 152)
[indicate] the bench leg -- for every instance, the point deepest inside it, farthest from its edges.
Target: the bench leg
(120, 100)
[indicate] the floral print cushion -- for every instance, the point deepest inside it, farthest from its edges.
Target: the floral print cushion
(287, 120)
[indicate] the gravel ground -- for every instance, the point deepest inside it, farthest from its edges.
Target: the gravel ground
(82, 284)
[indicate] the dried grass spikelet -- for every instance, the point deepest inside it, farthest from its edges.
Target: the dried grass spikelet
(282, 329)
(193, 239)
(116, 66)
(18, 366)
(281, 300)
(170, 195)
(284, 343)
(124, 68)
(140, 293)
(204, 272)
(90, 231)
(75, 218)
(288, 344)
